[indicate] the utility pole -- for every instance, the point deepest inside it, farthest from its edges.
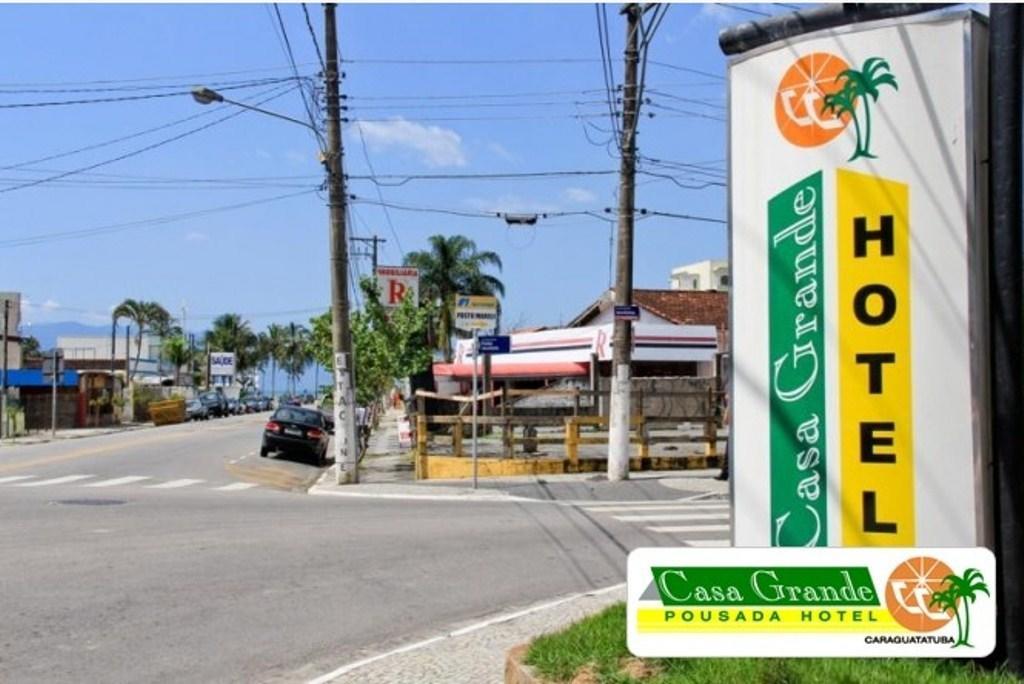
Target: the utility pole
(622, 340)
(1006, 329)
(345, 447)
(373, 254)
(113, 346)
(3, 381)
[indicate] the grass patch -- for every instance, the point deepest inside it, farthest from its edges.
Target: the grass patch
(599, 642)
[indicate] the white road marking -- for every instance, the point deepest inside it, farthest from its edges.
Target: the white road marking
(119, 481)
(665, 507)
(670, 517)
(174, 484)
(236, 487)
(55, 481)
(15, 478)
(345, 669)
(671, 529)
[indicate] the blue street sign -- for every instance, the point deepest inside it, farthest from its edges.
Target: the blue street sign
(627, 313)
(495, 344)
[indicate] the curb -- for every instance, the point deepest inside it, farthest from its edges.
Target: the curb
(32, 441)
(518, 672)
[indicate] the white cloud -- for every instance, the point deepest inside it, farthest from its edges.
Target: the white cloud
(50, 305)
(196, 236)
(510, 203)
(436, 145)
(501, 151)
(579, 195)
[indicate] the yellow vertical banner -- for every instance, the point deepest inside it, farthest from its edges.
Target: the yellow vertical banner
(875, 412)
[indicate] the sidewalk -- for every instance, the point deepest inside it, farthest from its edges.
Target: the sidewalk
(475, 653)
(74, 433)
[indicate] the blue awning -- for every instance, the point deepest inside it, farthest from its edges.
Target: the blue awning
(33, 377)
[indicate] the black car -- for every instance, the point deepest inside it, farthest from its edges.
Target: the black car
(297, 430)
(215, 403)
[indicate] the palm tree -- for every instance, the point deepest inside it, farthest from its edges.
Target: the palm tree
(295, 353)
(146, 316)
(178, 353)
(275, 341)
(966, 588)
(451, 266)
(860, 86)
(231, 333)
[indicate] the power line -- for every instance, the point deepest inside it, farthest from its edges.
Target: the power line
(380, 194)
(685, 217)
(138, 151)
(160, 220)
(124, 138)
(223, 85)
(183, 77)
(312, 34)
(403, 179)
(688, 70)
(295, 70)
(125, 98)
(748, 10)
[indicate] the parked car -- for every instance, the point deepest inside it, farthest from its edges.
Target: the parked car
(215, 403)
(252, 404)
(195, 410)
(234, 407)
(297, 430)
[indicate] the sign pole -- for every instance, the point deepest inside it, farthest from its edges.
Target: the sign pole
(53, 404)
(476, 348)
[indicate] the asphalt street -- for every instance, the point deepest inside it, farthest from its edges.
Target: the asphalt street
(177, 554)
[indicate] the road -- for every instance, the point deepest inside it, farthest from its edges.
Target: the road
(177, 554)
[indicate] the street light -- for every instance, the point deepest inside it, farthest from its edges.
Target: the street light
(205, 96)
(347, 458)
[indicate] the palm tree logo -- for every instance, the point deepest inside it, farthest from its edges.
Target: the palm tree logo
(959, 594)
(860, 87)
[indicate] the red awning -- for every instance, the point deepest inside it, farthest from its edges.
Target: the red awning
(514, 370)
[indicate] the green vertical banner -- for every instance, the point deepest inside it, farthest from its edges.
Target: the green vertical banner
(796, 330)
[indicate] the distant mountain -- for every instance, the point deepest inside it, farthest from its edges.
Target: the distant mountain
(47, 333)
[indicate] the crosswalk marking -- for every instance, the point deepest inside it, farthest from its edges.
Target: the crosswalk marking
(119, 481)
(237, 486)
(54, 481)
(671, 517)
(664, 507)
(175, 484)
(673, 529)
(15, 478)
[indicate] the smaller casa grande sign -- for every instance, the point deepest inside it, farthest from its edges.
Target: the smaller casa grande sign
(892, 602)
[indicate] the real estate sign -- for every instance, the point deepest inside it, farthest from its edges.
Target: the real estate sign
(395, 282)
(858, 264)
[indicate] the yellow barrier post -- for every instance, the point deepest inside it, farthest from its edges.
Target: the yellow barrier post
(572, 444)
(711, 427)
(421, 446)
(645, 446)
(457, 437)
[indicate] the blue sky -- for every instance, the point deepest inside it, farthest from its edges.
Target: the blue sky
(272, 257)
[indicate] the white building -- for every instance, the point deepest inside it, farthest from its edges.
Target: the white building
(703, 275)
(97, 348)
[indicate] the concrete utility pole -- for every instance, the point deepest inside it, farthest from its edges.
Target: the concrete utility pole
(3, 381)
(345, 444)
(373, 254)
(622, 340)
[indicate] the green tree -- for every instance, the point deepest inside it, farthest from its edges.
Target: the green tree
(231, 333)
(146, 316)
(296, 353)
(274, 345)
(30, 348)
(452, 266)
(177, 351)
(860, 87)
(387, 344)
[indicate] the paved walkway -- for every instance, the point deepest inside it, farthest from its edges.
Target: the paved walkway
(75, 433)
(474, 653)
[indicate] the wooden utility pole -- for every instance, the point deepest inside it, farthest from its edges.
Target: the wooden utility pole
(346, 451)
(622, 340)
(374, 241)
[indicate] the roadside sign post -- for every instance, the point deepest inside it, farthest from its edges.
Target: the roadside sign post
(476, 352)
(475, 313)
(52, 368)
